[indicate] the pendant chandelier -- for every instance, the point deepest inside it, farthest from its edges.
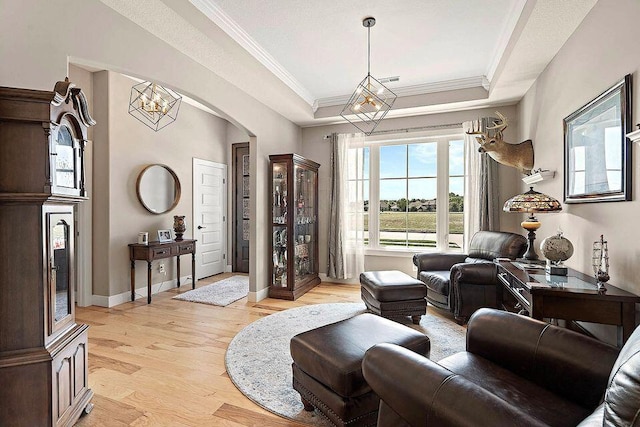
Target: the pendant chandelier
(154, 105)
(371, 100)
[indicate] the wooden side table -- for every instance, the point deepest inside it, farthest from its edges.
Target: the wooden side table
(160, 250)
(574, 297)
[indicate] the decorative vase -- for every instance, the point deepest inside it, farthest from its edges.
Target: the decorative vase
(179, 226)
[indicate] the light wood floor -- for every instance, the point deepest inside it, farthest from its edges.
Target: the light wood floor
(163, 364)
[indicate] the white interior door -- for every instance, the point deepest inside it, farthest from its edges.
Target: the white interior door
(209, 216)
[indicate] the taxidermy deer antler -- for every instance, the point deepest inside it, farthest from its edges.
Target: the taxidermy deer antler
(519, 156)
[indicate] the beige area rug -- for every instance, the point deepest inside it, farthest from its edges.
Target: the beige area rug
(258, 360)
(221, 293)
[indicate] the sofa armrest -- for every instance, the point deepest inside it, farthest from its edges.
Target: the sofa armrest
(424, 393)
(570, 364)
(436, 261)
(479, 273)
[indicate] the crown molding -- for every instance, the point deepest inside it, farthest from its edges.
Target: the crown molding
(421, 89)
(229, 26)
(507, 32)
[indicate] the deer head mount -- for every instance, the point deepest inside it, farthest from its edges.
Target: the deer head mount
(519, 156)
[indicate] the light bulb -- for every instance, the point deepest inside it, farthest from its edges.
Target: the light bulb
(378, 106)
(356, 107)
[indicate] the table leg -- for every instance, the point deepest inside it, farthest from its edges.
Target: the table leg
(178, 265)
(148, 282)
(133, 280)
(628, 322)
(193, 269)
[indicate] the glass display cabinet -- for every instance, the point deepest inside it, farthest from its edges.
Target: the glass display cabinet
(293, 185)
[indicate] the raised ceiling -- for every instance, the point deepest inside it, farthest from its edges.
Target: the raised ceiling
(449, 54)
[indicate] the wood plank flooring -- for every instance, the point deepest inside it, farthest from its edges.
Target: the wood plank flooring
(163, 364)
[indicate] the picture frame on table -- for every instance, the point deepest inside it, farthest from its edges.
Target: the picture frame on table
(164, 236)
(597, 156)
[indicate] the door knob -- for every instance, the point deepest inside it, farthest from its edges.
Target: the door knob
(201, 227)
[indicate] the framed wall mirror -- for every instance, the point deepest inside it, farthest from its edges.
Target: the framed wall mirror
(158, 188)
(597, 157)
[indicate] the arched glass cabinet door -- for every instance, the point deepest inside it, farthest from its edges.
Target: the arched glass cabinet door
(68, 155)
(60, 266)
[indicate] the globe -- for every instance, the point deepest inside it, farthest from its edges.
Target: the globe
(556, 248)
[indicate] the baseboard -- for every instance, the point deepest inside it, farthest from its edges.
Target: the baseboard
(259, 295)
(229, 269)
(141, 292)
(325, 278)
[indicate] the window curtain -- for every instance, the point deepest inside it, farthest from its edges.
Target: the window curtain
(346, 229)
(481, 202)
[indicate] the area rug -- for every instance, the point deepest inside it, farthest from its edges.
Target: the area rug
(258, 360)
(221, 293)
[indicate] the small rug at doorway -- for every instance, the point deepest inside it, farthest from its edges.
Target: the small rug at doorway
(258, 360)
(221, 293)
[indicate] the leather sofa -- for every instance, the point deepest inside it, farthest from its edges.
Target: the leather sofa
(516, 371)
(462, 283)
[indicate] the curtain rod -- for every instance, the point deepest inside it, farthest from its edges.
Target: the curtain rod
(413, 129)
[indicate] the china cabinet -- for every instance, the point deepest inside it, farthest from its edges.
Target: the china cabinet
(293, 185)
(43, 351)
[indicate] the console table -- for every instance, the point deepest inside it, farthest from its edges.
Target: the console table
(160, 250)
(572, 297)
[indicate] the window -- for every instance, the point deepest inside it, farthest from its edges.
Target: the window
(414, 192)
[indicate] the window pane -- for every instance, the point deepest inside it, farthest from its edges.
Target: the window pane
(422, 159)
(456, 216)
(456, 158)
(421, 218)
(393, 161)
(393, 216)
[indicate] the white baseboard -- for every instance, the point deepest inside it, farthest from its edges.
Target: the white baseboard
(259, 295)
(141, 292)
(325, 278)
(229, 269)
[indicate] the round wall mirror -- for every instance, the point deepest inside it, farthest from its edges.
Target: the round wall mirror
(158, 188)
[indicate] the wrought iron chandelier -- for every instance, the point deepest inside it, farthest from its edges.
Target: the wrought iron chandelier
(154, 105)
(371, 101)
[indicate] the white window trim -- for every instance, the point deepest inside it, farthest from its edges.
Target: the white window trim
(442, 137)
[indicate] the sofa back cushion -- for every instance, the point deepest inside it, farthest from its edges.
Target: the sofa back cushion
(622, 397)
(493, 244)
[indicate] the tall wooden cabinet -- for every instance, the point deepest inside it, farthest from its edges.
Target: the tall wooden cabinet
(294, 225)
(43, 351)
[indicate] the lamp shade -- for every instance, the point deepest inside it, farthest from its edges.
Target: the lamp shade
(532, 201)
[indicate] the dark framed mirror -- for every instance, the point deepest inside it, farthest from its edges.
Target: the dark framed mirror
(597, 157)
(158, 188)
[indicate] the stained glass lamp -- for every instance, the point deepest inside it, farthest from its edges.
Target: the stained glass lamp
(531, 202)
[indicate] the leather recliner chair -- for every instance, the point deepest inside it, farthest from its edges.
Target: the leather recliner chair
(516, 371)
(463, 283)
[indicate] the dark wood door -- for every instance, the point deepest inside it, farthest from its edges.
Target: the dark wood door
(241, 197)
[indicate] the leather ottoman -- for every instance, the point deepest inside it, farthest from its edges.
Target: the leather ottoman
(393, 293)
(327, 369)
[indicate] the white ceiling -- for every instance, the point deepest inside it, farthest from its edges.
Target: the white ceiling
(449, 54)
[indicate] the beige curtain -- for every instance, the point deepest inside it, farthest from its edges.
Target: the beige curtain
(346, 229)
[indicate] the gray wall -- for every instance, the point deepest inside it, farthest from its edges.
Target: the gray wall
(131, 147)
(601, 51)
(318, 149)
(38, 53)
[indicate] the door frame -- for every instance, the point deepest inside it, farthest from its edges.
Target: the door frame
(224, 227)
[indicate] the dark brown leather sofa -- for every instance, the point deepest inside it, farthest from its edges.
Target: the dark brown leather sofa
(516, 371)
(462, 283)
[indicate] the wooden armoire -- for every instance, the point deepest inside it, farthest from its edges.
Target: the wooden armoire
(43, 351)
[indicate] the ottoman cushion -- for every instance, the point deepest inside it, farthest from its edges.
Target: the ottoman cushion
(392, 285)
(333, 354)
